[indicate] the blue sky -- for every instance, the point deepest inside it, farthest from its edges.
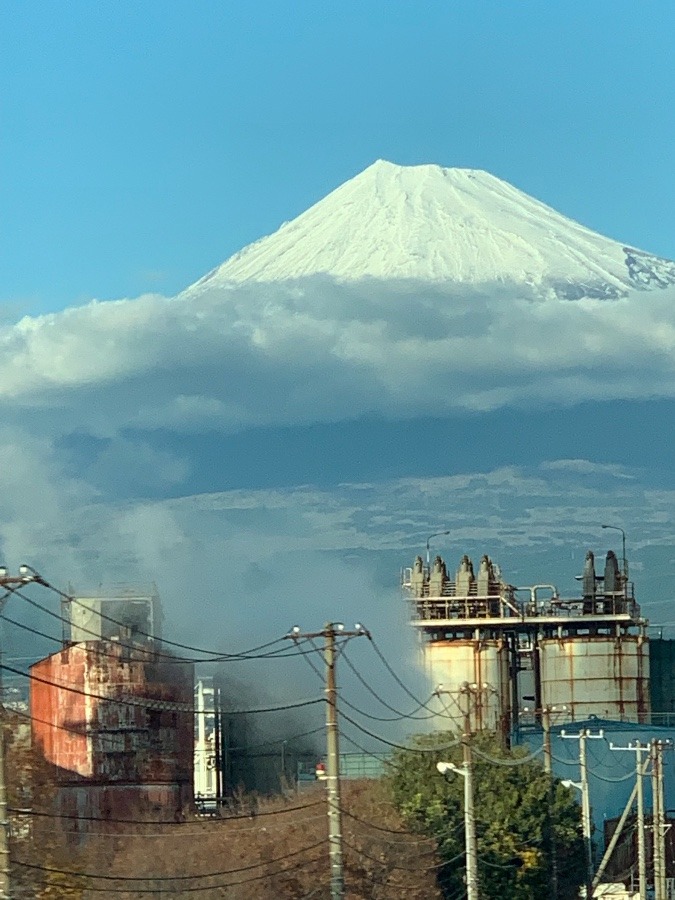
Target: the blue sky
(142, 144)
(234, 457)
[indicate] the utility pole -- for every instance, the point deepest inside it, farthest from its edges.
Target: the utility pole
(330, 631)
(582, 737)
(546, 728)
(468, 691)
(659, 817)
(640, 770)
(4, 822)
(7, 583)
(548, 768)
(337, 883)
(469, 812)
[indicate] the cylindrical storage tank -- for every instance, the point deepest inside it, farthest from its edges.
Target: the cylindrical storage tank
(483, 666)
(596, 675)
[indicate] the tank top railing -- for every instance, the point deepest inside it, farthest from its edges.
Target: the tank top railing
(503, 606)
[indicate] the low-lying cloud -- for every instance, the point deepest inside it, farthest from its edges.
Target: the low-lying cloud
(318, 351)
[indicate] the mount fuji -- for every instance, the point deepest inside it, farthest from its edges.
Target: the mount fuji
(424, 349)
(445, 226)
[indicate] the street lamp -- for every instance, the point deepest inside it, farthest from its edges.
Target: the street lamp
(466, 771)
(435, 534)
(623, 547)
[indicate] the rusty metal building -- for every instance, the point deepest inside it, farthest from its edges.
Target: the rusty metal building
(114, 719)
(500, 655)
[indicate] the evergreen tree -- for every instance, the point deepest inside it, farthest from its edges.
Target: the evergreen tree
(528, 826)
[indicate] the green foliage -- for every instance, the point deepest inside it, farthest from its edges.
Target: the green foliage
(527, 826)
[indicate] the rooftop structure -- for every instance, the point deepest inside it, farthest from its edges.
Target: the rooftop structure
(113, 612)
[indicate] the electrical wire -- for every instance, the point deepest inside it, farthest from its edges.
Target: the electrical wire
(171, 878)
(394, 744)
(171, 658)
(306, 864)
(343, 699)
(592, 773)
(152, 703)
(87, 730)
(400, 715)
(387, 762)
(217, 819)
(184, 832)
(350, 815)
(394, 674)
(216, 653)
(521, 761)
(389, 865)
(492, 865)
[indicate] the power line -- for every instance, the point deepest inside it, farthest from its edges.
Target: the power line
(343, 654)
(252, 653)
(306, 864)
(222, 656)
(219, 819)
(395, 676)
(169, 878)
(88, 729)
(151, 703)
(205, 831)
(520, 761)
(593, 773)
(372, 825)
(403, 868)
(377, 737)
(421, 705)
(388, 762)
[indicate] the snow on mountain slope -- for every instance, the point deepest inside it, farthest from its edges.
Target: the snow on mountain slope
(442, 225)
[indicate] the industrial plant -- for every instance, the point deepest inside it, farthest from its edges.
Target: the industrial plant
(553, 674)
(130, 735)
(524, 650)
(112, 712)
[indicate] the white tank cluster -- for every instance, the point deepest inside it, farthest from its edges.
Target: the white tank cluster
(500, 655)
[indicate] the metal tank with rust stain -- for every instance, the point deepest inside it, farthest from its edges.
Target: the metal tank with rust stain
(472, 677)
(596, 675)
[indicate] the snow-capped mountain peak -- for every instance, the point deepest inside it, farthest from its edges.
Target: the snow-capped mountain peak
(434, 224)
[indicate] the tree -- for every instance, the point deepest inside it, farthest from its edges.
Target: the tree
(528, 826)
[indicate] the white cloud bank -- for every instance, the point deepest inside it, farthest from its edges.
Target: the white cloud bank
(318, 351)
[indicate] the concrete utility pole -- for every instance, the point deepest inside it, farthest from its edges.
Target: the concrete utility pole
(582, 737)
(638, 792)
(548, 768)
(7, 583)
(466, 771)
(546, 728)
(330, 631)
(4, 823)
(469, 812)
(659, 817)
